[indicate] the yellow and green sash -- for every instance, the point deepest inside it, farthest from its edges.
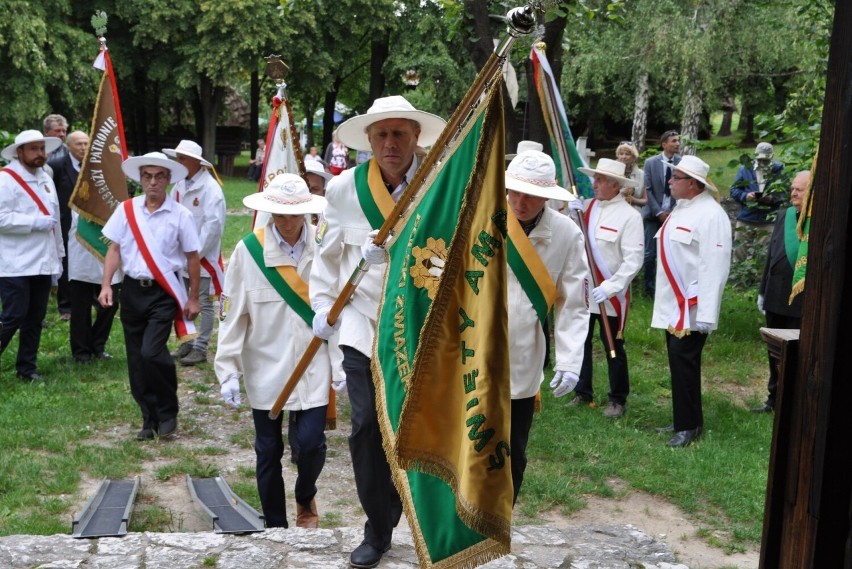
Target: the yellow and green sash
(375, 200)
(285, 280)
(529, 269)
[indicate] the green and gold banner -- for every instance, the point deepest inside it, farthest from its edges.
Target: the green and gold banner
(441, 358)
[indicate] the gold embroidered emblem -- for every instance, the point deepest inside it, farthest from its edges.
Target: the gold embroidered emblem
(429, 265)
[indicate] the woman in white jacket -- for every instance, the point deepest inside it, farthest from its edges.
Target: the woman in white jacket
(265, 328)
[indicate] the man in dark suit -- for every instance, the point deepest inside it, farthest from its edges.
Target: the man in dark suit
(660, 202)
(65, 171)
(774, 294)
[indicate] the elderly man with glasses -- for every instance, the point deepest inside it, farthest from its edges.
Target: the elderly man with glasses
(153, 237)
(694, 257)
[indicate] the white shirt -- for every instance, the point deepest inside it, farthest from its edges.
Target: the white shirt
(173, 226)
(292, 251)
(83, 265)
(24, 252)
(206, 202)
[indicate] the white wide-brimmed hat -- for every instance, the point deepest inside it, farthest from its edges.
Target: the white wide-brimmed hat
(694, 167)
(131, 166)
(534, 173)
(315, 167)
(51, 143)
(286, 194)
(353, 132)
(611, 169)
(188, 148)
(525, 145)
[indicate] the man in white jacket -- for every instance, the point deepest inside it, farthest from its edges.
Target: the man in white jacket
(31, 248)
(614, 230)
(550, 246)
(264, 329)
(358, 200)
(693, 258)
(202, 195)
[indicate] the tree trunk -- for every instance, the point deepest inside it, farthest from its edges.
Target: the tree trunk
(328, 113)
(640, 112)
(310, 110)
(210, 100)
(744, 112)
(254, 114)
(691, 120)
(379, 52)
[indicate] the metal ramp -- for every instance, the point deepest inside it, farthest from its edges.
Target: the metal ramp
(228, 512)
(107, 513)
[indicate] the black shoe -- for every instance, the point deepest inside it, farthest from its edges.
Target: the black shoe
(145, 435)
(666, 429)
(167, 428)
(684, 438)
(103, 356)
(366, 556)
(31, 377)
(765, 408)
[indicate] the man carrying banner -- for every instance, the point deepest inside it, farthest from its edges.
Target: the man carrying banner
(31, 245)
(693, 258)
(153, 238)
(202, 195)
(616, 241)
(552, 255)
(265, 326)
(358, 200)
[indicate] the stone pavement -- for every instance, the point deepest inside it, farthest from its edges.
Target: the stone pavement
(533, 547)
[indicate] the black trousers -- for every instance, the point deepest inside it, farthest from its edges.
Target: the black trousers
(376, 491)
(774, 320)
(306, 435)
(24, 307)
(147, 316)
(619, 379)
(685, 367)
(522, 418)
(89, 338)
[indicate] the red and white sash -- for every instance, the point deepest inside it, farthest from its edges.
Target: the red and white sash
(184, 327)
(214, 267)
(40, 204)
(681, 320)
(621, 301)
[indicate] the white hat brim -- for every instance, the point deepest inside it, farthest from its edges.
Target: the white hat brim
(131, 167)
(549, 192)
(353, 132)
(326, 175)
(259, 201)
(173, 152)
(51, 143)
(693, 175)
(590, 172)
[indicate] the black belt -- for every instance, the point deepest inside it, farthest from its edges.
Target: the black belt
(144, 283)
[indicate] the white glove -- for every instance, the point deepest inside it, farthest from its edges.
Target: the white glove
(339, 385)
(576, 205)
(563, 382)
(322, 329)
(598, 295)
(760, 300)
(231, 390)
(43, 223)
(703, 327)
(373, 254)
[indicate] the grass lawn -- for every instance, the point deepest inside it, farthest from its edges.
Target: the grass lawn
(52, 434)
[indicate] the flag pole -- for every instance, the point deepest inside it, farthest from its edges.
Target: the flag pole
(562, 150)
(520, 22)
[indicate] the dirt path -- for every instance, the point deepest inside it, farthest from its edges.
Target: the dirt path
(222, 437)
